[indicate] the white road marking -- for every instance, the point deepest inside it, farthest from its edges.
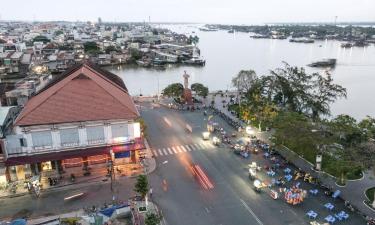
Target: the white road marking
(188, 148)
(155, 153)
(170, 151)
(197, 146)
(160, 152)
(210, 145)
(174, 150)
(251, 212)
(178, 148)
(165, 151)
(202, 146)
(183, 148)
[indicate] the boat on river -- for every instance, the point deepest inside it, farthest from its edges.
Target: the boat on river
(302, 40)
(195, 61)
(346, 45)
(324, 63)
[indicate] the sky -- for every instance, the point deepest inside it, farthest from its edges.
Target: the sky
(197, 11)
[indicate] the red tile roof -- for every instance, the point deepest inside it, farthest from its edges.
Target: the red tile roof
(84, 93)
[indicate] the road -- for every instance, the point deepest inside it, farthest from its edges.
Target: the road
(232, 200)
(52, 202)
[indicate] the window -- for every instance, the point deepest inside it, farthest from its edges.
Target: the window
(42, 138)
(95, 135)
(119, 130)
(23, 142)
(69, 136)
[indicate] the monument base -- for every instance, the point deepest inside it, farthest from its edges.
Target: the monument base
(188, 97)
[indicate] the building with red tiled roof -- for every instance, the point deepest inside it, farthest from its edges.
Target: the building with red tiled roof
(83, 118)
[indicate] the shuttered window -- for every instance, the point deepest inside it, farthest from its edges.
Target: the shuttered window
(69, 136)
(42, 138)
(119, 130)
(95, 134)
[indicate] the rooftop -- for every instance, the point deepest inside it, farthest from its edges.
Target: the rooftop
(84, 92)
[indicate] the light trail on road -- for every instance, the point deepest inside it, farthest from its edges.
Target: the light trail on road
(202, 177)
(167, 121)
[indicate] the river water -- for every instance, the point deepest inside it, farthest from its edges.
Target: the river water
(226, 54)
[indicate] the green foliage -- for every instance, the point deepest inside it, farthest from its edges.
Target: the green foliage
(152, 219)
(141, 186)
(41, 38)
(200, 89)
(91, 47)
(173, 90)
(193, 40)
(110, 49)
(347, 130)
(244, 80)
(135, 54)
(370, 194)
(58, 32)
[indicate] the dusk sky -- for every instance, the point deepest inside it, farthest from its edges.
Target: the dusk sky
(205, 11)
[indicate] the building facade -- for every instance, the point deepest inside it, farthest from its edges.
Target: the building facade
(84, 118)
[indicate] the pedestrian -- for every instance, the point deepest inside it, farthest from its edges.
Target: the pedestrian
(151, 192)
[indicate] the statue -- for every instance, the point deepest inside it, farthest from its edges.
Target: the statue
(186, 80)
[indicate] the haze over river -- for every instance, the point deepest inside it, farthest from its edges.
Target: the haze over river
(226, 54)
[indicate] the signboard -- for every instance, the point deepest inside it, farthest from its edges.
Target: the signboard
(119, 155)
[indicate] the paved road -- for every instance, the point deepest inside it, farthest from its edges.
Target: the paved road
(52, 202)
(232, 200)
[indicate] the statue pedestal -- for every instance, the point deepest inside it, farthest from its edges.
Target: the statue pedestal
(188, 97)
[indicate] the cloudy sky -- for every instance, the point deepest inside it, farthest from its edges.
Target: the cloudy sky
(205, 11)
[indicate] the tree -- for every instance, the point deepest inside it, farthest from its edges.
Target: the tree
(91, 47)
(367, 125)
(244, 80)
(141, 186)
(41, 38)
(152, 219)
(110, 49)
(173, 90)
(135, 54)
(58, 32)
(346, 130)
(200, 89)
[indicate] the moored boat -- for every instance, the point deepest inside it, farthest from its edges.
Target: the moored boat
(324, 63)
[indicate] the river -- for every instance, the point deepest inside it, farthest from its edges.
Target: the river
(226, 54)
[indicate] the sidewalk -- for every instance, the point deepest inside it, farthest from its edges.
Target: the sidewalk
(98, 177)
(354, 191)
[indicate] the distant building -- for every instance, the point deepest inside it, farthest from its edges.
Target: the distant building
(82, 119)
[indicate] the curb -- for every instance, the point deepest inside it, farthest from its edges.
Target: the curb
(51, 189)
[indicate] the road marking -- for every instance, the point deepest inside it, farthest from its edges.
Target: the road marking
(192, 147)
(174, 150)
(160, 153)
(179, 149)
(251, 212)
(183, 148)
(188, 148)
(155, 153)
(197, 146)
(165, 151)
(206, 145)
(208, 211)
(170, 151)
(202, 146)
(210, 145)
(167, 121)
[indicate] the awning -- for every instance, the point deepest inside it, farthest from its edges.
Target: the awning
(138, 144)
(56, 156)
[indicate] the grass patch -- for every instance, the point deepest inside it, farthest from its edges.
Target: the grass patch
(370, 194)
